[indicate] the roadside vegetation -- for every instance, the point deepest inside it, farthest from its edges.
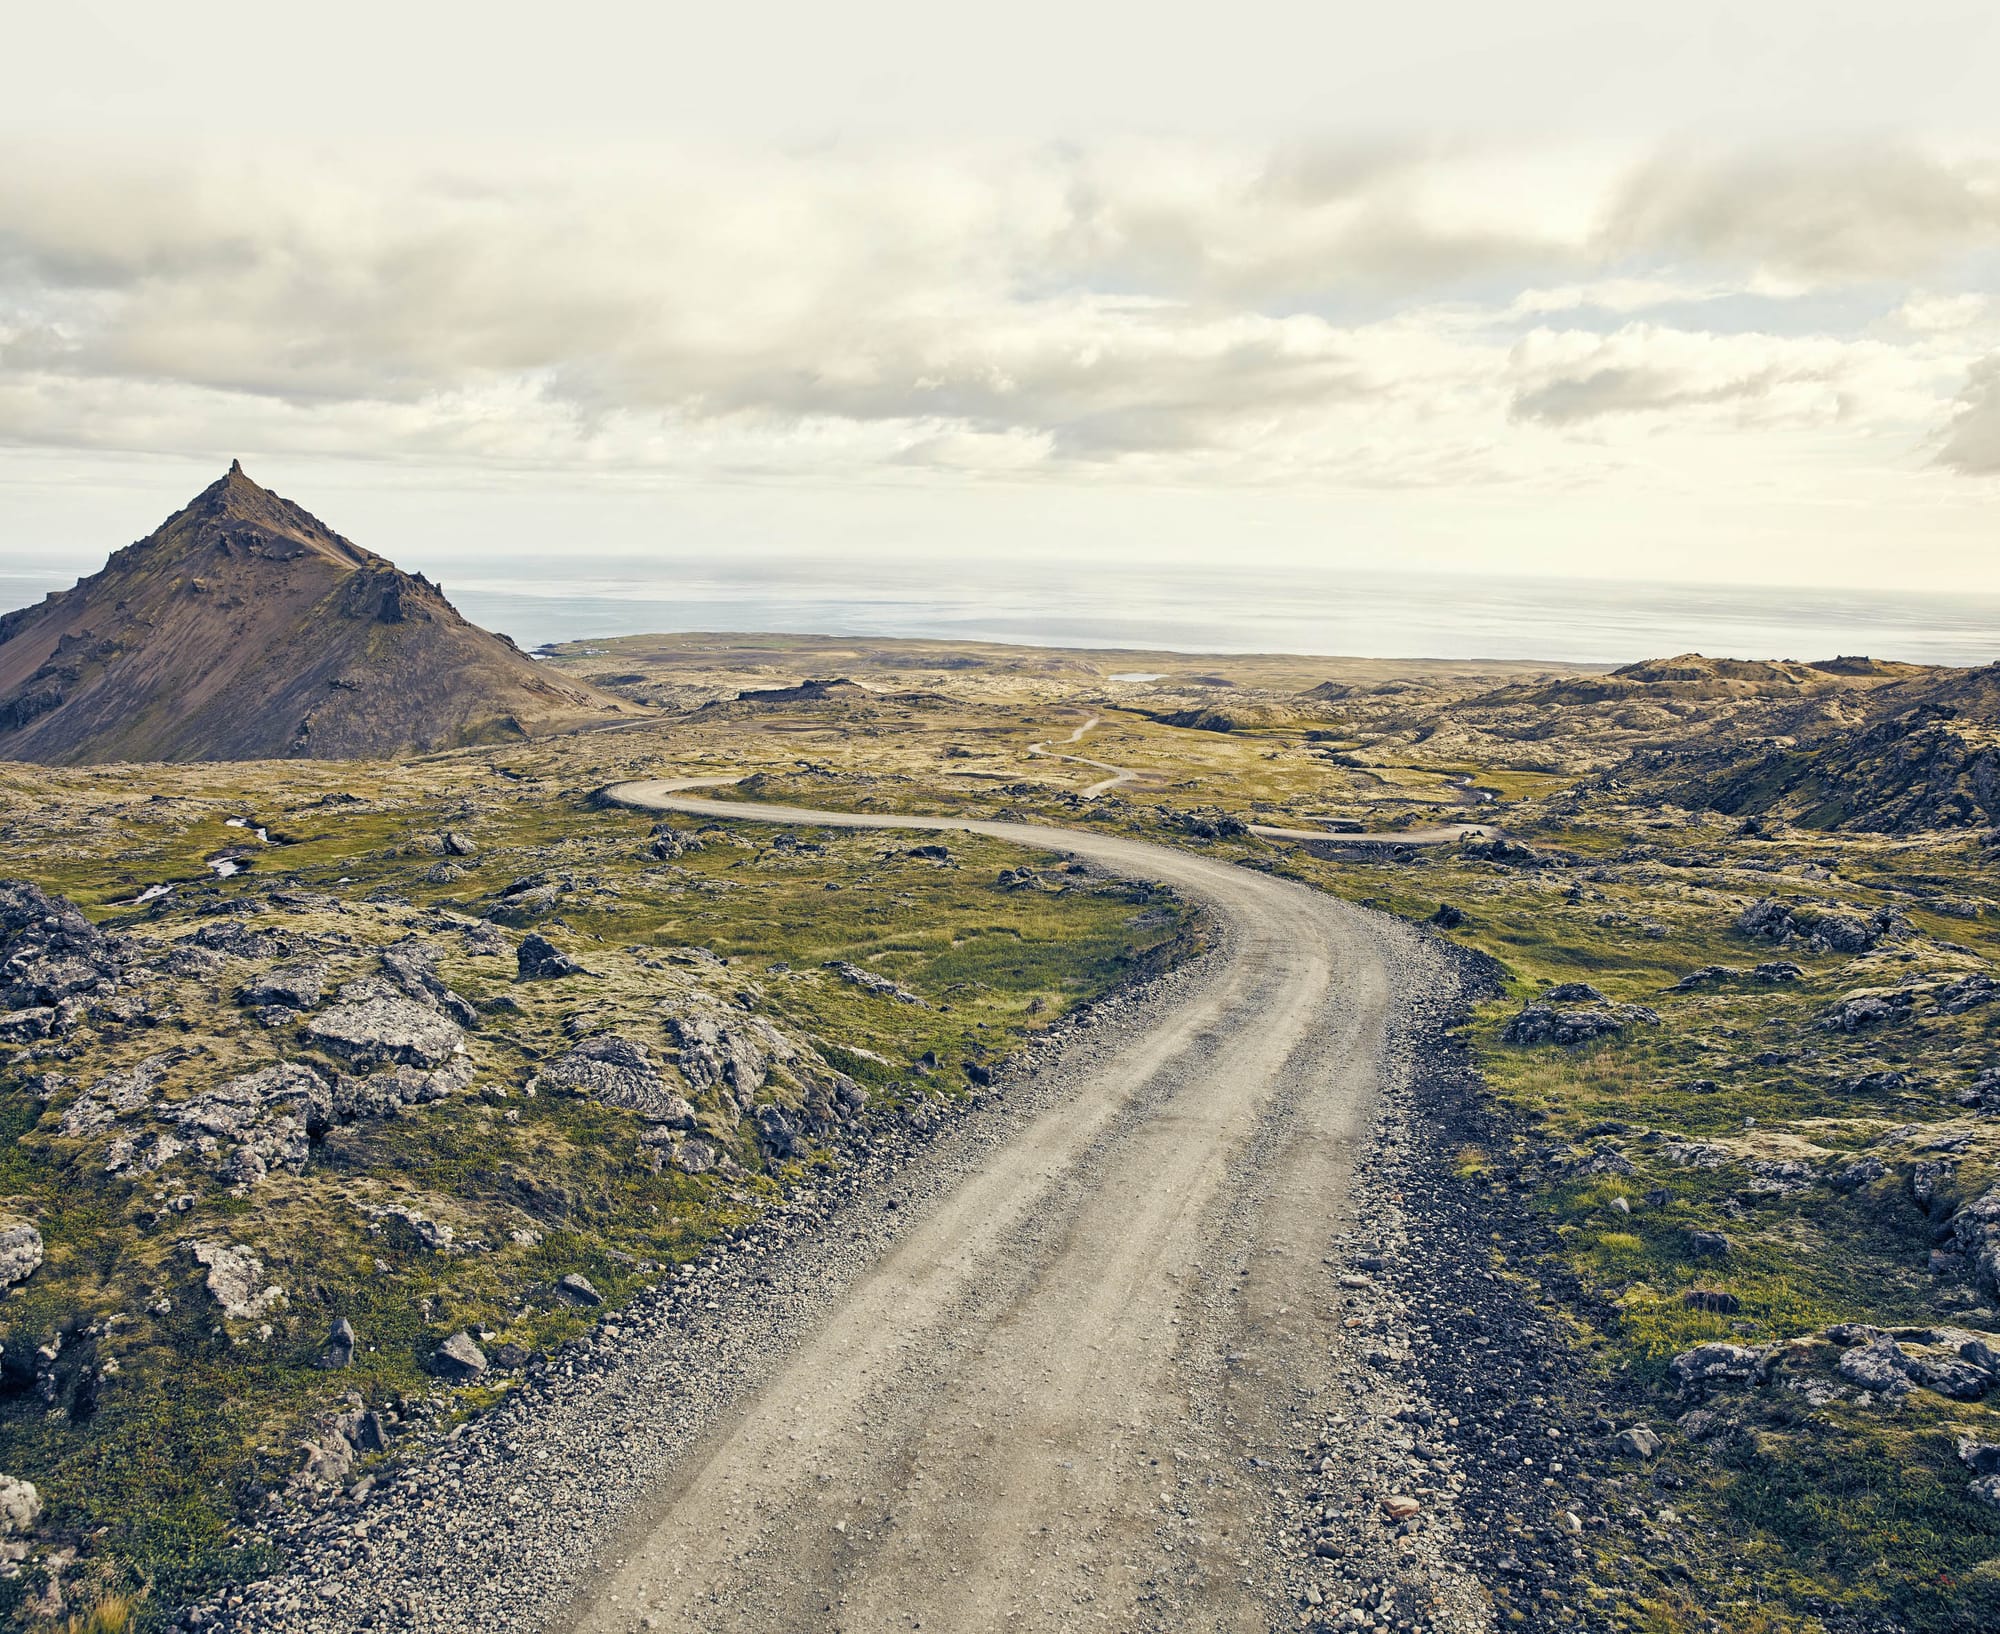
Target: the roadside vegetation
(1785, 1162)
(1738, 1049)
(151, 1420)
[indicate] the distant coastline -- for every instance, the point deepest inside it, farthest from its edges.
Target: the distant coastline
(1364, 615)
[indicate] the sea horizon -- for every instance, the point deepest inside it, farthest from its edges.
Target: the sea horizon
(1322, 612)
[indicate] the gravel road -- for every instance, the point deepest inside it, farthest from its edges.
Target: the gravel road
(1085, 1359)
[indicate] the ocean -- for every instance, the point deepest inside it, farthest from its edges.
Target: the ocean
(1188, 609)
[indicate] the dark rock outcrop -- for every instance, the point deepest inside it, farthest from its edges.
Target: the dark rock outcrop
(538, 959)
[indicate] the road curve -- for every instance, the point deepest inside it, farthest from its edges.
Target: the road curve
(1043, 1407)
(1120, 775)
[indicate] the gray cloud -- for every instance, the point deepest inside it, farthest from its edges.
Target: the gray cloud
(1158, 307)
(1972, 440)
(1876, 212)
(1567, 378)
(1593, 393)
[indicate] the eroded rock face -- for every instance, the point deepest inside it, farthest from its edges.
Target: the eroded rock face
(1975, 1233)
(239, 941)
(618, 1072)
(270, 1115)
(56, 967)
(1821, 929)
(20, 1252)
(724, 1051)
(393, 1088)
(746, 1060)
(375, 1024)
(412, 966)
(114, 1095)
(49, 952)
(249, 1125)
(1955, 998)
(236, 1280)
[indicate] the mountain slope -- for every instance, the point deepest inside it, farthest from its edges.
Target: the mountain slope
(245, 629)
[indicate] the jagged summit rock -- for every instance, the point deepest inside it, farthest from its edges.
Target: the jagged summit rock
(244, 628)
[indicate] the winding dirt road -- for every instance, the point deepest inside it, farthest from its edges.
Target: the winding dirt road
(1054, 1404)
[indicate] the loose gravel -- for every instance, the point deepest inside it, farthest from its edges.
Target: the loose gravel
(1415, 1473)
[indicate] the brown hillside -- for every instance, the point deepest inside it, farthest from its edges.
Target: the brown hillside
(245, 629)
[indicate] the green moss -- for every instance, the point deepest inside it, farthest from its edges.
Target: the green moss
(202, 1416)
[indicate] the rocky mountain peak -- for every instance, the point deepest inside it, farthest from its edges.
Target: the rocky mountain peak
(243, 627)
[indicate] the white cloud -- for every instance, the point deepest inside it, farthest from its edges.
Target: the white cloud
(1944, 314)
(1617, 295)
(1151, 312)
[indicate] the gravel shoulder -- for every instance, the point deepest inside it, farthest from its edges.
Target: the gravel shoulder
(1084, 1356)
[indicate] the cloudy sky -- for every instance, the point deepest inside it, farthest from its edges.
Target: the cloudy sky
(1586, 289)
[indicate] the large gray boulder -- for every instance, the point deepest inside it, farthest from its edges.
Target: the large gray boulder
(376, 1024)
(20, 1506)
(340, 1345)
(1880, 1365)
(1545, 1024)
(20, 1252)
(1860, 1011)
(1714, 1364)
(458, 1358)
(1981, 1457)
(236, 1281)
(538, 959)
(49, 952)
(297, 986)
(619, 1072)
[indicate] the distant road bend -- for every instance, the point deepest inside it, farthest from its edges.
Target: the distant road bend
(1037, 1409)
(1433, 834)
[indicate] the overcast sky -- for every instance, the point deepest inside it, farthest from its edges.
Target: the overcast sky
(1705, 292)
